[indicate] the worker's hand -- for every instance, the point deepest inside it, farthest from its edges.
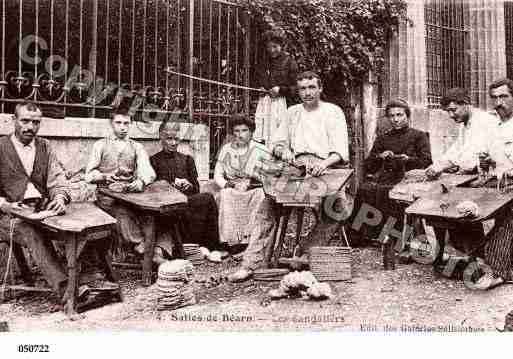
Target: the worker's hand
(386, 154)
(262, 93)
(242, 186)
(135, 186)
(316, 169)
(183, 184)
(284, 154)
(229, 184)
(107, 178)
(432, 174)
(403, 157)
(485, 162)
(58, 204)
(275, 91)
(8, 207)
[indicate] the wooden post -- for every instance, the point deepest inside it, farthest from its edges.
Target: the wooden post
(357, 140)
(369, 112)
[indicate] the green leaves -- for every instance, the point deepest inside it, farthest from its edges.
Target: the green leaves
(340, 39)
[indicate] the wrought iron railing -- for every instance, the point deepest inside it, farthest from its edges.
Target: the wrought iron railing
(84, 57)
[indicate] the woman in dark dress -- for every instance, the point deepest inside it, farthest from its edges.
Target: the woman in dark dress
(394, 152)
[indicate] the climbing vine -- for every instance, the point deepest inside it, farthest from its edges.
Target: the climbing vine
(341, 40)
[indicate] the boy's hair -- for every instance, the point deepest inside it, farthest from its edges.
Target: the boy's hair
(457, 95)
(237, 120)
(120, 111)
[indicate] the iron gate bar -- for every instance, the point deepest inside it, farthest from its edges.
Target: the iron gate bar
(166, 98)
(132, 50)
(120, 26)
(218, 56)
(107, 30)
(190, 87)
(236, 50)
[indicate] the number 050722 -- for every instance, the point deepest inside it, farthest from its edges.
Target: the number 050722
(33, 348)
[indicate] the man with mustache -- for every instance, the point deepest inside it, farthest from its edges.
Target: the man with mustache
(318, 128)
(31, 172)
(497, 157)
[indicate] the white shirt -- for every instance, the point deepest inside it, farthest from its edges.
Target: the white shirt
(143, 169)
(472, 136)
(27, 155)
(500, 146)
(321, 131)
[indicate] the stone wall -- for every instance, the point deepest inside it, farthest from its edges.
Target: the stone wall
(73, 139)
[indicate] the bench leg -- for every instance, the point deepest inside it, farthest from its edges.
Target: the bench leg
(71, 289)
(270, 246)
(283, 231)
(149, 249)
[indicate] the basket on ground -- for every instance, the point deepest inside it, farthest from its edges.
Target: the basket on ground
(331, 263)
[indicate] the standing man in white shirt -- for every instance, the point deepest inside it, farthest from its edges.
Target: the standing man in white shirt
(314, 127)
(29, 171)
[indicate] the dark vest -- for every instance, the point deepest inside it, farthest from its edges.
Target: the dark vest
(13, 178)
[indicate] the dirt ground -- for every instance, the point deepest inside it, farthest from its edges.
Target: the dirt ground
(407, 299)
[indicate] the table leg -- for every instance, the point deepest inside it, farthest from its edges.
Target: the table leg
(71, 289)
(149, 249)
(281, 237)
(270, 246)
(25, 271)
(404, 235)
(441, 236)
(179, 230)
(103, 249)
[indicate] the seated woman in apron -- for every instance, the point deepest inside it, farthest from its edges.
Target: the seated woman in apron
(236, 174)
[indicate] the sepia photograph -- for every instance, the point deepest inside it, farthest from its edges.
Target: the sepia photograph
(255, 166)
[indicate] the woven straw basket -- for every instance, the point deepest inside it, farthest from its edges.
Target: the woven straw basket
(331, 263)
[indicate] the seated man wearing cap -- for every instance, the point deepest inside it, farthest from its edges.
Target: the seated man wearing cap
(398, 150)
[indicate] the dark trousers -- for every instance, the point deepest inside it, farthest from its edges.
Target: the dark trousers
(200, 221)
(40, 246)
